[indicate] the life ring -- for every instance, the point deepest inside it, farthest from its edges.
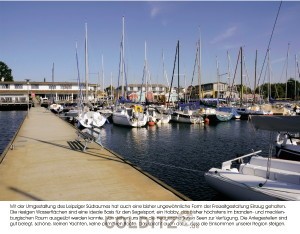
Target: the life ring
(138, 109)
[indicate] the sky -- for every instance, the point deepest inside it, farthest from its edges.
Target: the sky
(36, 34)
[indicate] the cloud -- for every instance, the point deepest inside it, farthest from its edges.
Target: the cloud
(223, 36)
(154, 11)
(279, 60)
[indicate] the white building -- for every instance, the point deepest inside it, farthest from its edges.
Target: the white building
(60, 91)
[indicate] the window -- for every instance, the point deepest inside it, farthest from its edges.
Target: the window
(35, 86)
(4, 86)
(18, 86)
(52, 86)
(66, 86)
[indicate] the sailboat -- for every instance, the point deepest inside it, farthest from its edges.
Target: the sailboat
(87, 118)
(133, 115)
(186, 115)
(276, 177)
(217, 115)
(55, 107)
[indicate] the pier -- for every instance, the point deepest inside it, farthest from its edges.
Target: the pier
(45, 162)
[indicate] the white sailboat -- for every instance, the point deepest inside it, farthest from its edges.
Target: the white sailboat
(130, 116)
(55, 107)
(262, 178)
(87, 118)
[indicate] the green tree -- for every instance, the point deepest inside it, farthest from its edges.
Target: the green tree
(245, 89)
(280, 90)
(5, 72)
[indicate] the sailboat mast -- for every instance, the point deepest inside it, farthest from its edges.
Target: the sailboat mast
(79, 102)
(86, 65)
(178, 68)
(242, 89)
(122, 57)
(269, 74)
(52, 87)
(228, 71)
(111, 88)
(102, 63)
(295, 98)
(286, 71)
(199, 66)
(218, 81)
(146, 72)
(255, 76)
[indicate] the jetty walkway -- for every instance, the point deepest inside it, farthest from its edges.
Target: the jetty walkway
(46, 163)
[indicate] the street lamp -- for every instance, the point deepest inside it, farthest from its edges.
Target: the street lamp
(27, 82)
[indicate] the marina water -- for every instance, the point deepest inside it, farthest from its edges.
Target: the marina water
(9, 123)
(177, 154)
(180, 154)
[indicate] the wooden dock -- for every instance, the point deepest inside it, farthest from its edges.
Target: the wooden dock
(46, 162)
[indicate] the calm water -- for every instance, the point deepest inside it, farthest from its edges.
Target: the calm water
(177, 154)
(9, 124)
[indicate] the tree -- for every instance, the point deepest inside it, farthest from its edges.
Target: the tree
(5, 72)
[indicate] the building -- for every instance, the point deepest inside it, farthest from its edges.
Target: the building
(154, 93)
(59, 91)
(213, 90)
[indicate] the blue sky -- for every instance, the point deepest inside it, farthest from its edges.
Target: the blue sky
(36, 34)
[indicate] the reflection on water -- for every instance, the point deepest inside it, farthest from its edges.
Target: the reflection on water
(9, 124)
(179, 154)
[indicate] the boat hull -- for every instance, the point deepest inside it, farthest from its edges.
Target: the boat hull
(124, 120)
(236, 191)
(185, 118)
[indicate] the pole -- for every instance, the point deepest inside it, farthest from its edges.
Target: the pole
(178, 69)
(27, 82)
(86, 65)
(286, 71)
(242, 91)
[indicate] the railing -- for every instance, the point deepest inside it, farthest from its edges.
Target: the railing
(227, 164)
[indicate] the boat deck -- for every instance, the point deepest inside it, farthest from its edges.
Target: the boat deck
(47, 163)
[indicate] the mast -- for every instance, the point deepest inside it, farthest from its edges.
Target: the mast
(111, 89)
(52, 87)
(102, 63)
(199, 66)
(146, 73)
(255, 76)
(178, 69)
(218, 81)
(295, 98)
(286, 71)
(242, 89)
(86, 65)
(164, 71)
(122, 57)
(79, 102)
(228, 72)
(269, 74)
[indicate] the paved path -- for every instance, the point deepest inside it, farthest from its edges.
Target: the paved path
(47, 164)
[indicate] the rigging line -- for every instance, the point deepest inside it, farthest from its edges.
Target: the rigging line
(298, 69)
(196, 60)
(270, 41)
(171, 166)
(173, 73)
(233, 81)
(247, 74)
